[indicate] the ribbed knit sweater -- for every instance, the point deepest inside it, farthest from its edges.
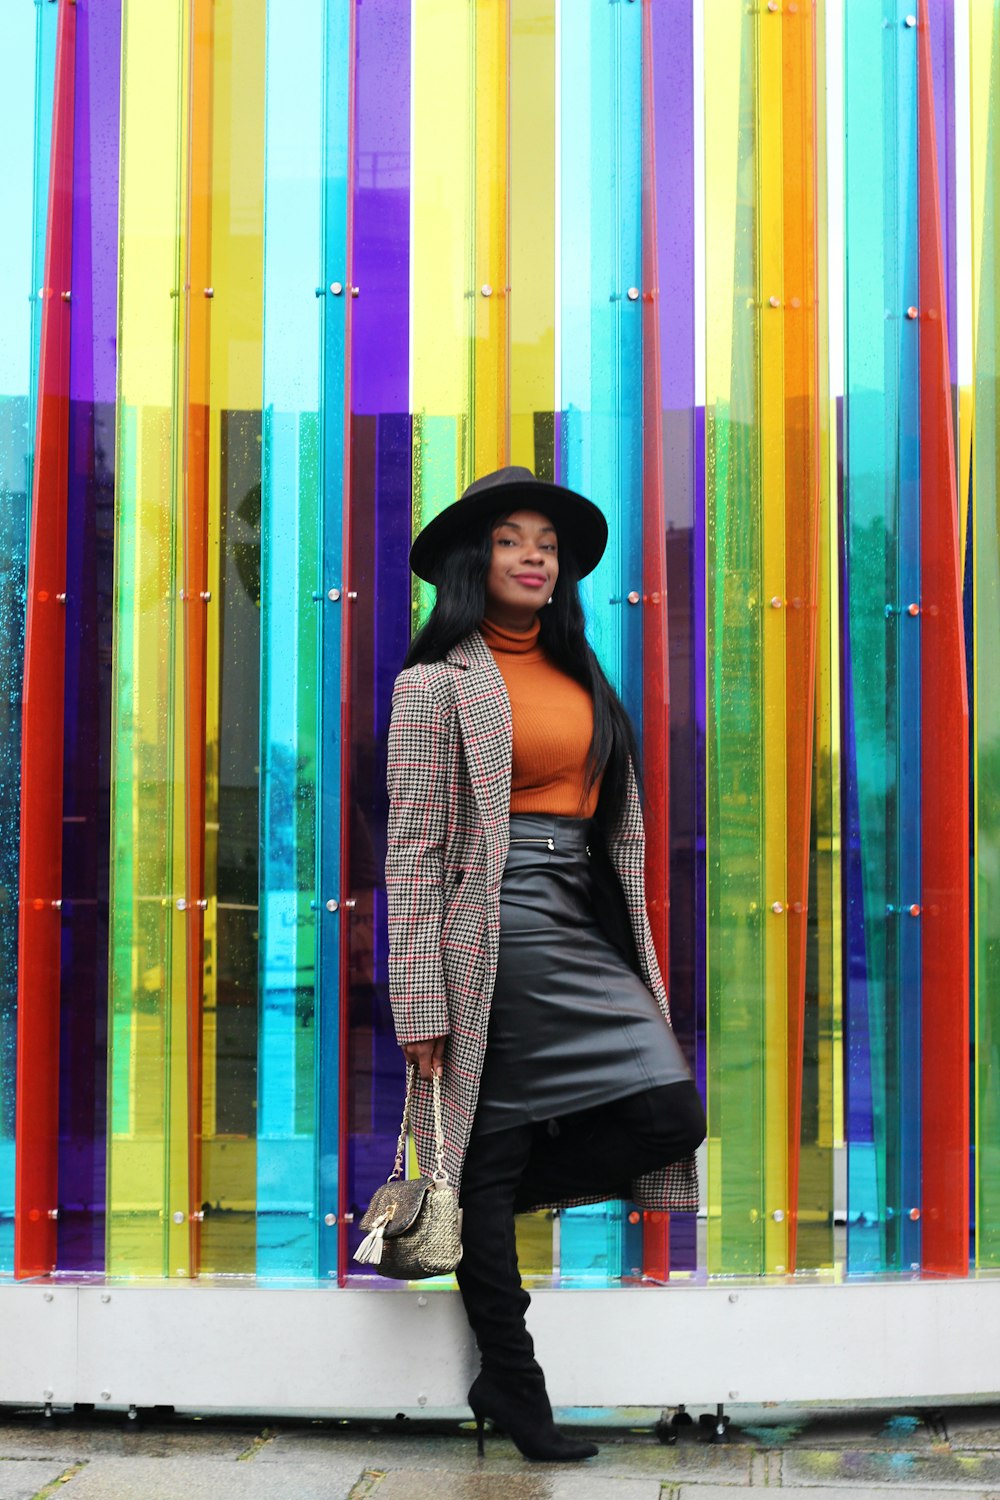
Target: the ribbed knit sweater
(553, 720)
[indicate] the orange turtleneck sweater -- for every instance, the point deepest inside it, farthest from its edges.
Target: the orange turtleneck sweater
(553, 720)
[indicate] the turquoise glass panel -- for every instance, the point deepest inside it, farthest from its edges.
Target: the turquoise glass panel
(291, 631)
(881, 490)
(600, 452)
(599, 1241)
(903, 1173)
(27, 44)
(45, 80)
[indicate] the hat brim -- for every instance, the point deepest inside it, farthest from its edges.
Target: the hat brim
(580, 526)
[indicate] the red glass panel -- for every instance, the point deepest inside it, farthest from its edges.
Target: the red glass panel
(40, 922)
(944, 746)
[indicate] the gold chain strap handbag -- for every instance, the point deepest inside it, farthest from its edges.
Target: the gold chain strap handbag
(414, 1227)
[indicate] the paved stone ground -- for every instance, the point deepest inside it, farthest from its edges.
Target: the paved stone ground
(831, 1453)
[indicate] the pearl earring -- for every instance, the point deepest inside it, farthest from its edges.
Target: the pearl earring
(550, 598)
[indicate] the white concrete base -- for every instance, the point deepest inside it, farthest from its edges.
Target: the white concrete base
(237, 1346)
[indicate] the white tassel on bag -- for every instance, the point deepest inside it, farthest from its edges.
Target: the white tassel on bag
(369, 1252)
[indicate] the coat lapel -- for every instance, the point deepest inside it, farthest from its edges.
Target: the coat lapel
(484, 715)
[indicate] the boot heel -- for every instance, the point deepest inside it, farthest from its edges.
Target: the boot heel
(480, 1423)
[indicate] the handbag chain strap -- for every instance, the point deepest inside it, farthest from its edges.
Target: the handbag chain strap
(440, 1174)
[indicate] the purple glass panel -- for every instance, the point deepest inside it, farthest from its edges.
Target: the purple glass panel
(379, 571)
(942, 38)
(672, 63)
(89, 581)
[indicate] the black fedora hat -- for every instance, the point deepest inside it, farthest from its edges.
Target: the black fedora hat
(581, 527)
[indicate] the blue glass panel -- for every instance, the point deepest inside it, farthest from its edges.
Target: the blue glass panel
(600, 428)
(292, 577)
(883, 573)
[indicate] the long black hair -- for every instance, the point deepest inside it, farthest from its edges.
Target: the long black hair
(459, 608)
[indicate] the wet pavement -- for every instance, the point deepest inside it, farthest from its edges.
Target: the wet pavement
(843, 1453)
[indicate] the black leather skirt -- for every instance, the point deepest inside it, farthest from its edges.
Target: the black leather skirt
(572, 1024)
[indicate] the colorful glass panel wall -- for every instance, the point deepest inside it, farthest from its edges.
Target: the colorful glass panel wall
(278, 280)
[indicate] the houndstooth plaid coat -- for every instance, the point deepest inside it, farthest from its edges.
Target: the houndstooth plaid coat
(449, 770)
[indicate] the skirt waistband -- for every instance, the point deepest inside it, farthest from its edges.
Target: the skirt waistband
(570, 834)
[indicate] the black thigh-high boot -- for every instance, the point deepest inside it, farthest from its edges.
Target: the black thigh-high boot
(602, 1150)
(510, 1387)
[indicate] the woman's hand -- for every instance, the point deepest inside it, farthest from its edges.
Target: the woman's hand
(428, 1056)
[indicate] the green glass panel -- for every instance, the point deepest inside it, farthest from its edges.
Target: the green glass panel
(734, 648)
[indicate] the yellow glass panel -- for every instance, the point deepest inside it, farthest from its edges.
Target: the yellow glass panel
(442, 258)
(235, 369)
(770, 225)
(148, 1156)
(532, 234)
(532, 324)
(490, 395)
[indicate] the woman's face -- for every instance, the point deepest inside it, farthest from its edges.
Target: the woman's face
(523, 568)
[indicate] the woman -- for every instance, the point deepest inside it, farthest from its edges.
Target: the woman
(521, 964)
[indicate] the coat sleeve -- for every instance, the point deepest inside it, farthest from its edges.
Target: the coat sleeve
(417, 781)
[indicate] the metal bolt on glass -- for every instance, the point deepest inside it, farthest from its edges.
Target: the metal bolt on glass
(181, 904)
(210, 291)
(333, 595)
(777, 908)
(487, 290)
(774, 301)
(66, 296)
(911, 21)
(336, 288)
(777, 603)
(633, 597)
(633, 294)
(206, 595)
(778, 1215)
(329, 1220)
(178, 1217)
(911, 313)
(332, 905)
